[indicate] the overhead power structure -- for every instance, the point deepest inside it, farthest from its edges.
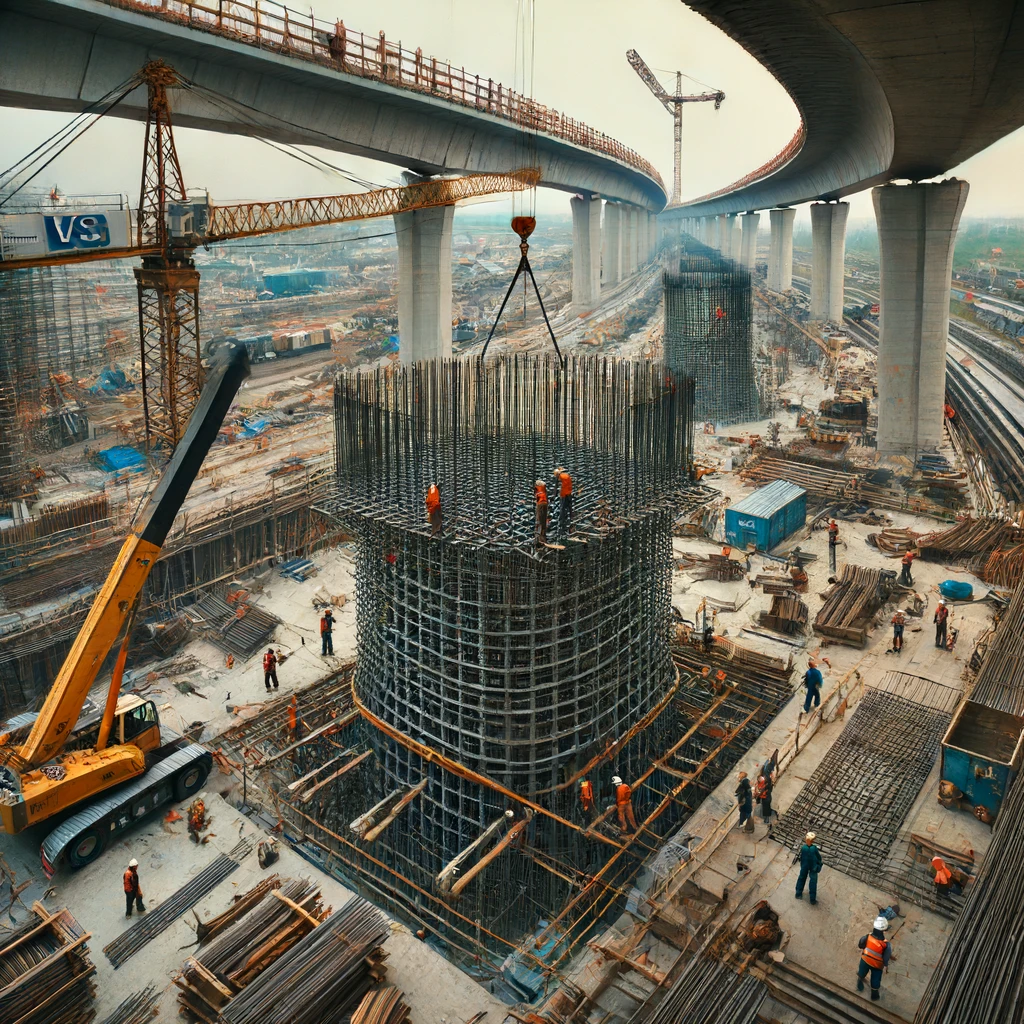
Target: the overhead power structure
(674, 105)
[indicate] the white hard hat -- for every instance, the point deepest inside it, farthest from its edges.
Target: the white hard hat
(810, 837)
(881, 923)
(540, 483)
(133, 863)
(616, 780)
(942, 600)
(509, 814)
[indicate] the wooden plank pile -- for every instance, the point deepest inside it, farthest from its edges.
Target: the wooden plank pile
(245, 940)
(759, 675)
(383, 1005)
(894, 541)
(788, 614)
(46, 973)
(851, 603)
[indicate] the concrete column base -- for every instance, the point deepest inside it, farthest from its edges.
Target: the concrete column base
(425, 283)
(917, 227)
(828, 246)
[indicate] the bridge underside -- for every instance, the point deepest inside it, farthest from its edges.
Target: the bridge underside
(886, 90)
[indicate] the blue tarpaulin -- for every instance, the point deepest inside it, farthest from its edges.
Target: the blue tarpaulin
(110, 380)
(119, 458)
(956, 590)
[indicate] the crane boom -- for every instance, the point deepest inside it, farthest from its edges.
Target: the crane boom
(674, 105)
(136, 558)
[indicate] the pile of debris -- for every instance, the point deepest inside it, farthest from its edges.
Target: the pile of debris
(851, 603)
(894, 541)
(46, 973)
(788, 614)
(714, 567)
(280, 938)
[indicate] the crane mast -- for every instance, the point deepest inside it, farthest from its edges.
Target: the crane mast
(674, 105)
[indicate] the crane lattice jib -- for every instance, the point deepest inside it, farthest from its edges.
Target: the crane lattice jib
(246, 219)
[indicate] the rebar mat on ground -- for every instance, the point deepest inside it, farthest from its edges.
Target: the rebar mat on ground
(155, 921)
(860, 794)
(709, 992)
(136, 1009)
(241, 635)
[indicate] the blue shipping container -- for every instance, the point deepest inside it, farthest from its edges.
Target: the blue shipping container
(981, 753)
(766, 517)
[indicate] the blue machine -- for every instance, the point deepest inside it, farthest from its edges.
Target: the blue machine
(981, 753)
(766, 517)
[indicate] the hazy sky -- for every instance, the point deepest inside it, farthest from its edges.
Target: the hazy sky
(579, 66)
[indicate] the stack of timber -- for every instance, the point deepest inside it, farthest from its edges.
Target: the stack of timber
(322, 977)
(749, 671)
(244, 941)
(851, 603)
(788, 614)
(894, 541)
(46, 973)
(384, 1005)
(991, 547)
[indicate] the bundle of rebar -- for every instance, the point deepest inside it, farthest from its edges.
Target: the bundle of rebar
(384, 1005)
(162, 916)
(138, 1008)
(851, 603)
(320, 978)
(707, 992)
(46, 973)
(1000, 680)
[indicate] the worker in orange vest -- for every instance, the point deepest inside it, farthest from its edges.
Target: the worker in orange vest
(564, 481)
(433, 503)
(270, 668)
(587, 799)
(540, 495)
(941, 619)
(948, 879)
(905, 578)
(874, 956)
(899, 623)
(624, 804)
(132, 888)
(326, 633)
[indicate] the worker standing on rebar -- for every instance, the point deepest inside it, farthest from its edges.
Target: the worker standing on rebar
(132, 888)
(833, 540)
(326, 633)
(564, 481)
(812, 684)
(763, 794)
(810, 866)
(874, 956)
(433, 503)
(540, 495)
(270, 668)
(587, 799)
(624, 804)
(948, 879)
(905, 578)
(899, 622)
(940, 620)
(745, 802)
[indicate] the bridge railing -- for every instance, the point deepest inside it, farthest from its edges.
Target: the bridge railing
(273, 26)
(779, 160)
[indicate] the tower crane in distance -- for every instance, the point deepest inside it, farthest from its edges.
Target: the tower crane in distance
(674, 105)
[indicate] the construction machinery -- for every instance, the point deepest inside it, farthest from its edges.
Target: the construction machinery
(120, 764)
(170, 225)
(674, 105)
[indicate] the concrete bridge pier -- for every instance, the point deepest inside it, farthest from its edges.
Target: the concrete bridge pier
(424, 282)
(724, 234)
(748, 239)
(828, 252)
(586, 251)
(916, 231)
(629, 241)
(611, 245)
(780, 254)
(735, 238)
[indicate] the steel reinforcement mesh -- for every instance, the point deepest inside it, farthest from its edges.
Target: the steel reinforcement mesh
(709, 333)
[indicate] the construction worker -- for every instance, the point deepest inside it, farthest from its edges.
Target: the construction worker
(874, 956)
(812, 683)
(763, 795)
(587, 799)
(270, 668)
(899, 621)
(833, 540)
(326, 633)
(745, 802)
(947, 879)
(905, 578)
(132, 888)
(810, 865)
(433, 503)
(624, 804)
(940, 620)
(540, 496)
(564, 481)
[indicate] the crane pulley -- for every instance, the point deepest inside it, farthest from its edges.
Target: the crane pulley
(674, 105)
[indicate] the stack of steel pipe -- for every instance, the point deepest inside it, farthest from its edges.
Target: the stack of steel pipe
(707, 992)
(322, 977)
(46, 973)
(1000, 682)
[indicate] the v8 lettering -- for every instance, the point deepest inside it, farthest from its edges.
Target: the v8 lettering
(76, 231)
